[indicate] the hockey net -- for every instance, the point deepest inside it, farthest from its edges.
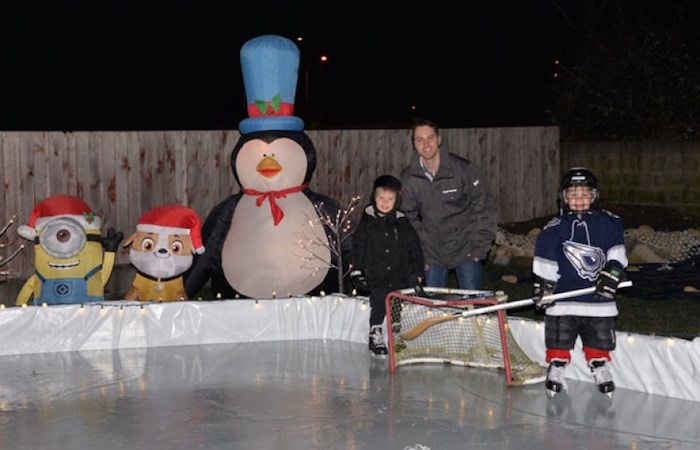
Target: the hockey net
(430, 329)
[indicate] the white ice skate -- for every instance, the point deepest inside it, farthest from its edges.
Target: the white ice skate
(556, 382)
(602, 376)
(376, 341)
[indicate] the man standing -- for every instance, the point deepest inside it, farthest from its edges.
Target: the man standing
(448, 201)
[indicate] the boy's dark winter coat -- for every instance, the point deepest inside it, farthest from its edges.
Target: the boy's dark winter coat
(388, 250)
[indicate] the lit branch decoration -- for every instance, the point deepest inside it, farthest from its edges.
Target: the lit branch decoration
(338, 228)
(3, 246)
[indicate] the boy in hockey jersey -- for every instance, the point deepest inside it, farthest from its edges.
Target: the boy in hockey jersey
(386, 254)
(583, 247)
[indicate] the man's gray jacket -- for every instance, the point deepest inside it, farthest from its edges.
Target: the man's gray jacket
(455, 214)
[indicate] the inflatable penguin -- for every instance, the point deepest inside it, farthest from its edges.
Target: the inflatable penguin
(268, 240)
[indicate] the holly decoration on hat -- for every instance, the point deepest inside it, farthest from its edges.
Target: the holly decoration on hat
(89, 216)
(269, 108)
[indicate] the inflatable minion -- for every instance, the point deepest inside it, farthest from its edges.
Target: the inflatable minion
(70, 264)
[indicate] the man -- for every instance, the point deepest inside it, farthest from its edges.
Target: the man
(448, 201)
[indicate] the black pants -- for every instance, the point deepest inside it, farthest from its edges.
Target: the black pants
(377, 304)
(596, 332)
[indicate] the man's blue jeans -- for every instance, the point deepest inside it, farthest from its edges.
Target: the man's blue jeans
(468, 275)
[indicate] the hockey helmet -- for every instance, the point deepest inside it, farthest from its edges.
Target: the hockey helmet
(577, 176)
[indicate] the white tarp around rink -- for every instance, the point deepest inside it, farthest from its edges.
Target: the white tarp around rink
(655, 365)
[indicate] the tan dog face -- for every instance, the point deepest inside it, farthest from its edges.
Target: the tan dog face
(160, 255)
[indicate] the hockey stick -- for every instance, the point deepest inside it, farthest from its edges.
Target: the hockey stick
(427, 323)
(440, 298)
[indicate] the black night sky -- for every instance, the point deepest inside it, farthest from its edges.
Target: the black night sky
(140, 65)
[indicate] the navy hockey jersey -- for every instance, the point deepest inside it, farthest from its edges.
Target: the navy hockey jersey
(571, 250)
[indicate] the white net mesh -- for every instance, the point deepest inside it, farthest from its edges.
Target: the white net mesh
(430, 329)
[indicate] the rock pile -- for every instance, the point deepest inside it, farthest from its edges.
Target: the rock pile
(643, 244)
(661, 263)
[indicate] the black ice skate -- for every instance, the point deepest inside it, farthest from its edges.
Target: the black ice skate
(602, 376)
(376, 341)
(555, 382)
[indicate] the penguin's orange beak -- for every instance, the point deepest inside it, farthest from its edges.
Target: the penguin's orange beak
(268, 167)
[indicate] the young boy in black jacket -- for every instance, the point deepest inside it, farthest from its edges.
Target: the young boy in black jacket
(386, 254)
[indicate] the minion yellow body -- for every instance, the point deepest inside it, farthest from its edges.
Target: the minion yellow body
(77, 279)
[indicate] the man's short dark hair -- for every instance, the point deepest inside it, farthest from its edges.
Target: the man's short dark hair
(422, 121)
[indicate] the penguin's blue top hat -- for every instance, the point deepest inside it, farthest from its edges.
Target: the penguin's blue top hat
(270, 66)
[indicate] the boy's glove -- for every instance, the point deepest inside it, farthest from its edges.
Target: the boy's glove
(420, 292)
(358, 280)
(417, 280)
(606, 285)
(540, 289)
(110, 243)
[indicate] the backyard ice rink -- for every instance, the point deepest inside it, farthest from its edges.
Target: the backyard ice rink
(284, 374)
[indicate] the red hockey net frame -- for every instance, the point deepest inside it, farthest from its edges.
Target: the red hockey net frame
(431, 330)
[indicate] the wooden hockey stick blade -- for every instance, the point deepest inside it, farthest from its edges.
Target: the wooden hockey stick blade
(427, 323)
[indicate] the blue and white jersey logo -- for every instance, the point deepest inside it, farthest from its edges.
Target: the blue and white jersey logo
(586, 259)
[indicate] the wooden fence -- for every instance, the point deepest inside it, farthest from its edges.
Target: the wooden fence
(122, 174)
(663, 173)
